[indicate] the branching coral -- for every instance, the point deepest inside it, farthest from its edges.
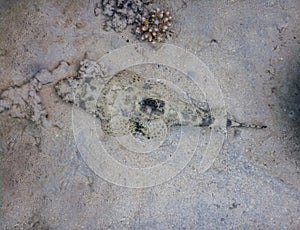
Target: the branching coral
(156, 27)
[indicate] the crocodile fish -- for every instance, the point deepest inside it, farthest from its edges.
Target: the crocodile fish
(127, 103)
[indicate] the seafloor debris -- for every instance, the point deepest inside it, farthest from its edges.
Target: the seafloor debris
(24, 101)
(156, 27)
(153, 26)
(121, 13)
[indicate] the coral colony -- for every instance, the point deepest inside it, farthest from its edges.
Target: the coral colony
(152, 26)
(156, 27)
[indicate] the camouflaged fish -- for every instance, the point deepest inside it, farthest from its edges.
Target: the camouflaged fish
(127, 103)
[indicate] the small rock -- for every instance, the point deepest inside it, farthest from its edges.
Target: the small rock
(62, 71)
(44, 76)
(58, 124)
(3, 52)
(4, 105)
(97, 11)
(80, 25)
(45, 123)
(18, 79)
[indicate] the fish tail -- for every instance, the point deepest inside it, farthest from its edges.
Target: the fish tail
(233, 123)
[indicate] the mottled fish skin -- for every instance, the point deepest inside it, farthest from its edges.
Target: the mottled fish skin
(126, 103)
(144, 105)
